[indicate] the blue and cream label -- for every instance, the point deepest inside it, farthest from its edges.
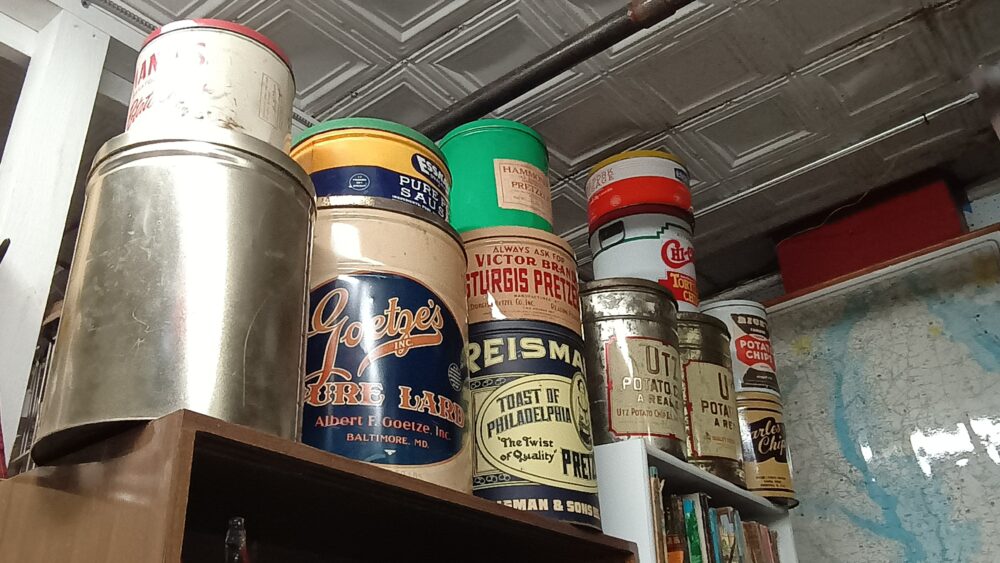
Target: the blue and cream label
(385, 372)
(428, 189)
(533, 434)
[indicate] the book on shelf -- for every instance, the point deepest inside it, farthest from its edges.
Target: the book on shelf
(689, 529)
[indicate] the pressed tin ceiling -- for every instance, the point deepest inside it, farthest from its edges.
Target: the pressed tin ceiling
(743, 90)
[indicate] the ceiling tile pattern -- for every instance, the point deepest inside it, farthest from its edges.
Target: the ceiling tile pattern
(743, 90)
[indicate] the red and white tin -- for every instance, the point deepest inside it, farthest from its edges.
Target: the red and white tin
(654, 244)
(750, 345)
(637, 178)
(216, 72)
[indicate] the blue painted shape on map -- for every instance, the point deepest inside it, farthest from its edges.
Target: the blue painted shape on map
(891, 526)
(970, 323)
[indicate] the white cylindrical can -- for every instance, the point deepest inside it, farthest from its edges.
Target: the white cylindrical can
(655, 244)
(750, 345)
(215, 72)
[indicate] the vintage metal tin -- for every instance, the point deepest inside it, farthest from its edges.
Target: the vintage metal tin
(519, 273)
(637, 178)
(713, 426)
(752, 354)
(655, 243)
(364, 156)
(501, 175)
(187, 290)
(765, 452)
(216, 72)
(534, 439)
(633, 366)
(386, 379)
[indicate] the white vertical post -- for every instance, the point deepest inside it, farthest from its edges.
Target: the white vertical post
(37, 176)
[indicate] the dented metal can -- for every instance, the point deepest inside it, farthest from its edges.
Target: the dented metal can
(184, 293)
(633, 366)
(213, 72)
(713, 426)
(534, 436)
(765, 448)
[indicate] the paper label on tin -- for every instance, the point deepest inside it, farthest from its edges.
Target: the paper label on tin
(522, 186)
(270, 99)
(645, 395)
(534, 439)
(714, 424)
(377, 181)
(764, 451)
(519, 278)
(753, 357)
(385, 372)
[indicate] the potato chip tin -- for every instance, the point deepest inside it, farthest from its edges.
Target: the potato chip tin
(765, 448)
(386, 380)
(713, 426)
(533, 432)
(633, 366)
(750, 347)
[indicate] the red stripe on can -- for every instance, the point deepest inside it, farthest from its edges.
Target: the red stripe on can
(642, 190)
(223, 25)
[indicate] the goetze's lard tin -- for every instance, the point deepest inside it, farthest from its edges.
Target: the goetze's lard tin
(753, 357)
(654, 243)
(633, 367)
(713, 427)
(521, 274)
(637, 178)
(215, 72)
(534, 439)
(386, 379)
(362, 156)
(765, 451)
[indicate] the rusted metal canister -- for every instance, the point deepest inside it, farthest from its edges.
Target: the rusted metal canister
(187, 290)
(534, 436)
(752, 354)
(765, 451)
(386, 379)
(713, 426)
(520, 273)
(216, 72)
(633, 368)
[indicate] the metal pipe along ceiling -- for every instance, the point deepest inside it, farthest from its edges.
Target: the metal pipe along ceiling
(639, 14)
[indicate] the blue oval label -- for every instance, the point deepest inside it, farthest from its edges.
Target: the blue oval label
(385, 372)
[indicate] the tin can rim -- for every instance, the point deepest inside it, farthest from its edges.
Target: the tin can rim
(636, 154)
(606, 284)
(225, 25)
(375, 124)
(335, 202)
(718, 304)
(648, 209)
(492, 123)
(525, 325)
(209, 135)
(475, 235)
(702, 318)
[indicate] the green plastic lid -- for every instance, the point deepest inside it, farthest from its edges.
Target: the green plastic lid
(492, 124)
(372, 123)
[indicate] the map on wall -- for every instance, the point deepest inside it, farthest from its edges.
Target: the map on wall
(891, 385)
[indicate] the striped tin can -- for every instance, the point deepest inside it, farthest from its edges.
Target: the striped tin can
(765, 450)
(713, 426)
(534, 437)
(520, 273)
(216, 72)
(750, 347)
(655, 243)
(501, 176)
(386, 379)
(633, 367)
(637, 178)
(363, 156)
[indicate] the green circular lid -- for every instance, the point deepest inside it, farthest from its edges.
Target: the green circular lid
(371, 123)
(491, 124)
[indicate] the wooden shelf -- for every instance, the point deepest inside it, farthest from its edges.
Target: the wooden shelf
(164, 492)
(626, 509)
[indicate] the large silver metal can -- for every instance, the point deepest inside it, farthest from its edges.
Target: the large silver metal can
(187, 291)
(633, 367)
(713, 425)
